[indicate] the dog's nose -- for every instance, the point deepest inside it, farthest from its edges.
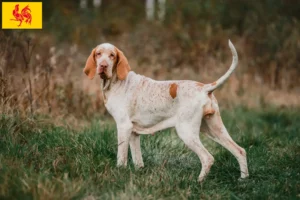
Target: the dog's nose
(103, 65)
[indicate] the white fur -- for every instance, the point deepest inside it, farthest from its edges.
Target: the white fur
(140, 105)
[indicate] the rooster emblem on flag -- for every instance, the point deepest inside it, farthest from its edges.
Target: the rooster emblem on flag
(24, 15)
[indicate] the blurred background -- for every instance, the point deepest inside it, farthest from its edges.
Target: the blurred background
(41, 70)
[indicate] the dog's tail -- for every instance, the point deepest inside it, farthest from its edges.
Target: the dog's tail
(212, 86)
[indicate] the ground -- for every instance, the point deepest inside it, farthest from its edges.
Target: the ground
(43, 161)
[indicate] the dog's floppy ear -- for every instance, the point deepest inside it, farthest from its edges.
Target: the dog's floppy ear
(90, 65)
(122, 67)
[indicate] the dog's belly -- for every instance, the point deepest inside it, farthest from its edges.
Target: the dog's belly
(146, 121)
(148, 115)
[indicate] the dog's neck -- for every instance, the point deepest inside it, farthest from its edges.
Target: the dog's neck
(107, 85)
(115, 85)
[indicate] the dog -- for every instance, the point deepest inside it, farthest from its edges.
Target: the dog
(141, 105)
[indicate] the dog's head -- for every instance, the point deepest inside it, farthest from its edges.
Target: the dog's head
(105, 60)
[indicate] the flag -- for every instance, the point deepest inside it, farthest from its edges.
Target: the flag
(22, 15)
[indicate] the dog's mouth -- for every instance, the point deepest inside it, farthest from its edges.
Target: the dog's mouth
(103, 75)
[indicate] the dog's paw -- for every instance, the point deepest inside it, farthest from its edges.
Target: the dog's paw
(121, 164)
(244, 175)
(201, 179)
(243, 179)
(139, 166)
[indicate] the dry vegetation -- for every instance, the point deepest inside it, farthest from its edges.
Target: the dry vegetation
(41, 72)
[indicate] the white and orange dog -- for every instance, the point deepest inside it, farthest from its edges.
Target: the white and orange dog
(141, 105)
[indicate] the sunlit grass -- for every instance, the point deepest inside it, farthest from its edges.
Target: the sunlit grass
(48, 162)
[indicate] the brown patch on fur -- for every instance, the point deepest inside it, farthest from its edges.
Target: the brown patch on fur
(208, 109)
(241, 152)
(209, 112)
(214, 83)
(173, 90)
(200, 84)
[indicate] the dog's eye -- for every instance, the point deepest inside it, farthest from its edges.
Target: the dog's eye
(98, 54)
(112, 55)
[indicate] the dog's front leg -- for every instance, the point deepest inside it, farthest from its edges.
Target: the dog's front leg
(135, 146)
(124, 132)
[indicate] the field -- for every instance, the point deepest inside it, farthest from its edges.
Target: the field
(40, 160)
(57, 141)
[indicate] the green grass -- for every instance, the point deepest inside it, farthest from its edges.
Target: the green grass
(40, 161)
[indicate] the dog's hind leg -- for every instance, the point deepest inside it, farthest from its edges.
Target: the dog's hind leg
(189, 133)
(168, 123)
(213, 126)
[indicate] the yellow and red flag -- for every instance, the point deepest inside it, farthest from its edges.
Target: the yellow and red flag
(22, 15)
